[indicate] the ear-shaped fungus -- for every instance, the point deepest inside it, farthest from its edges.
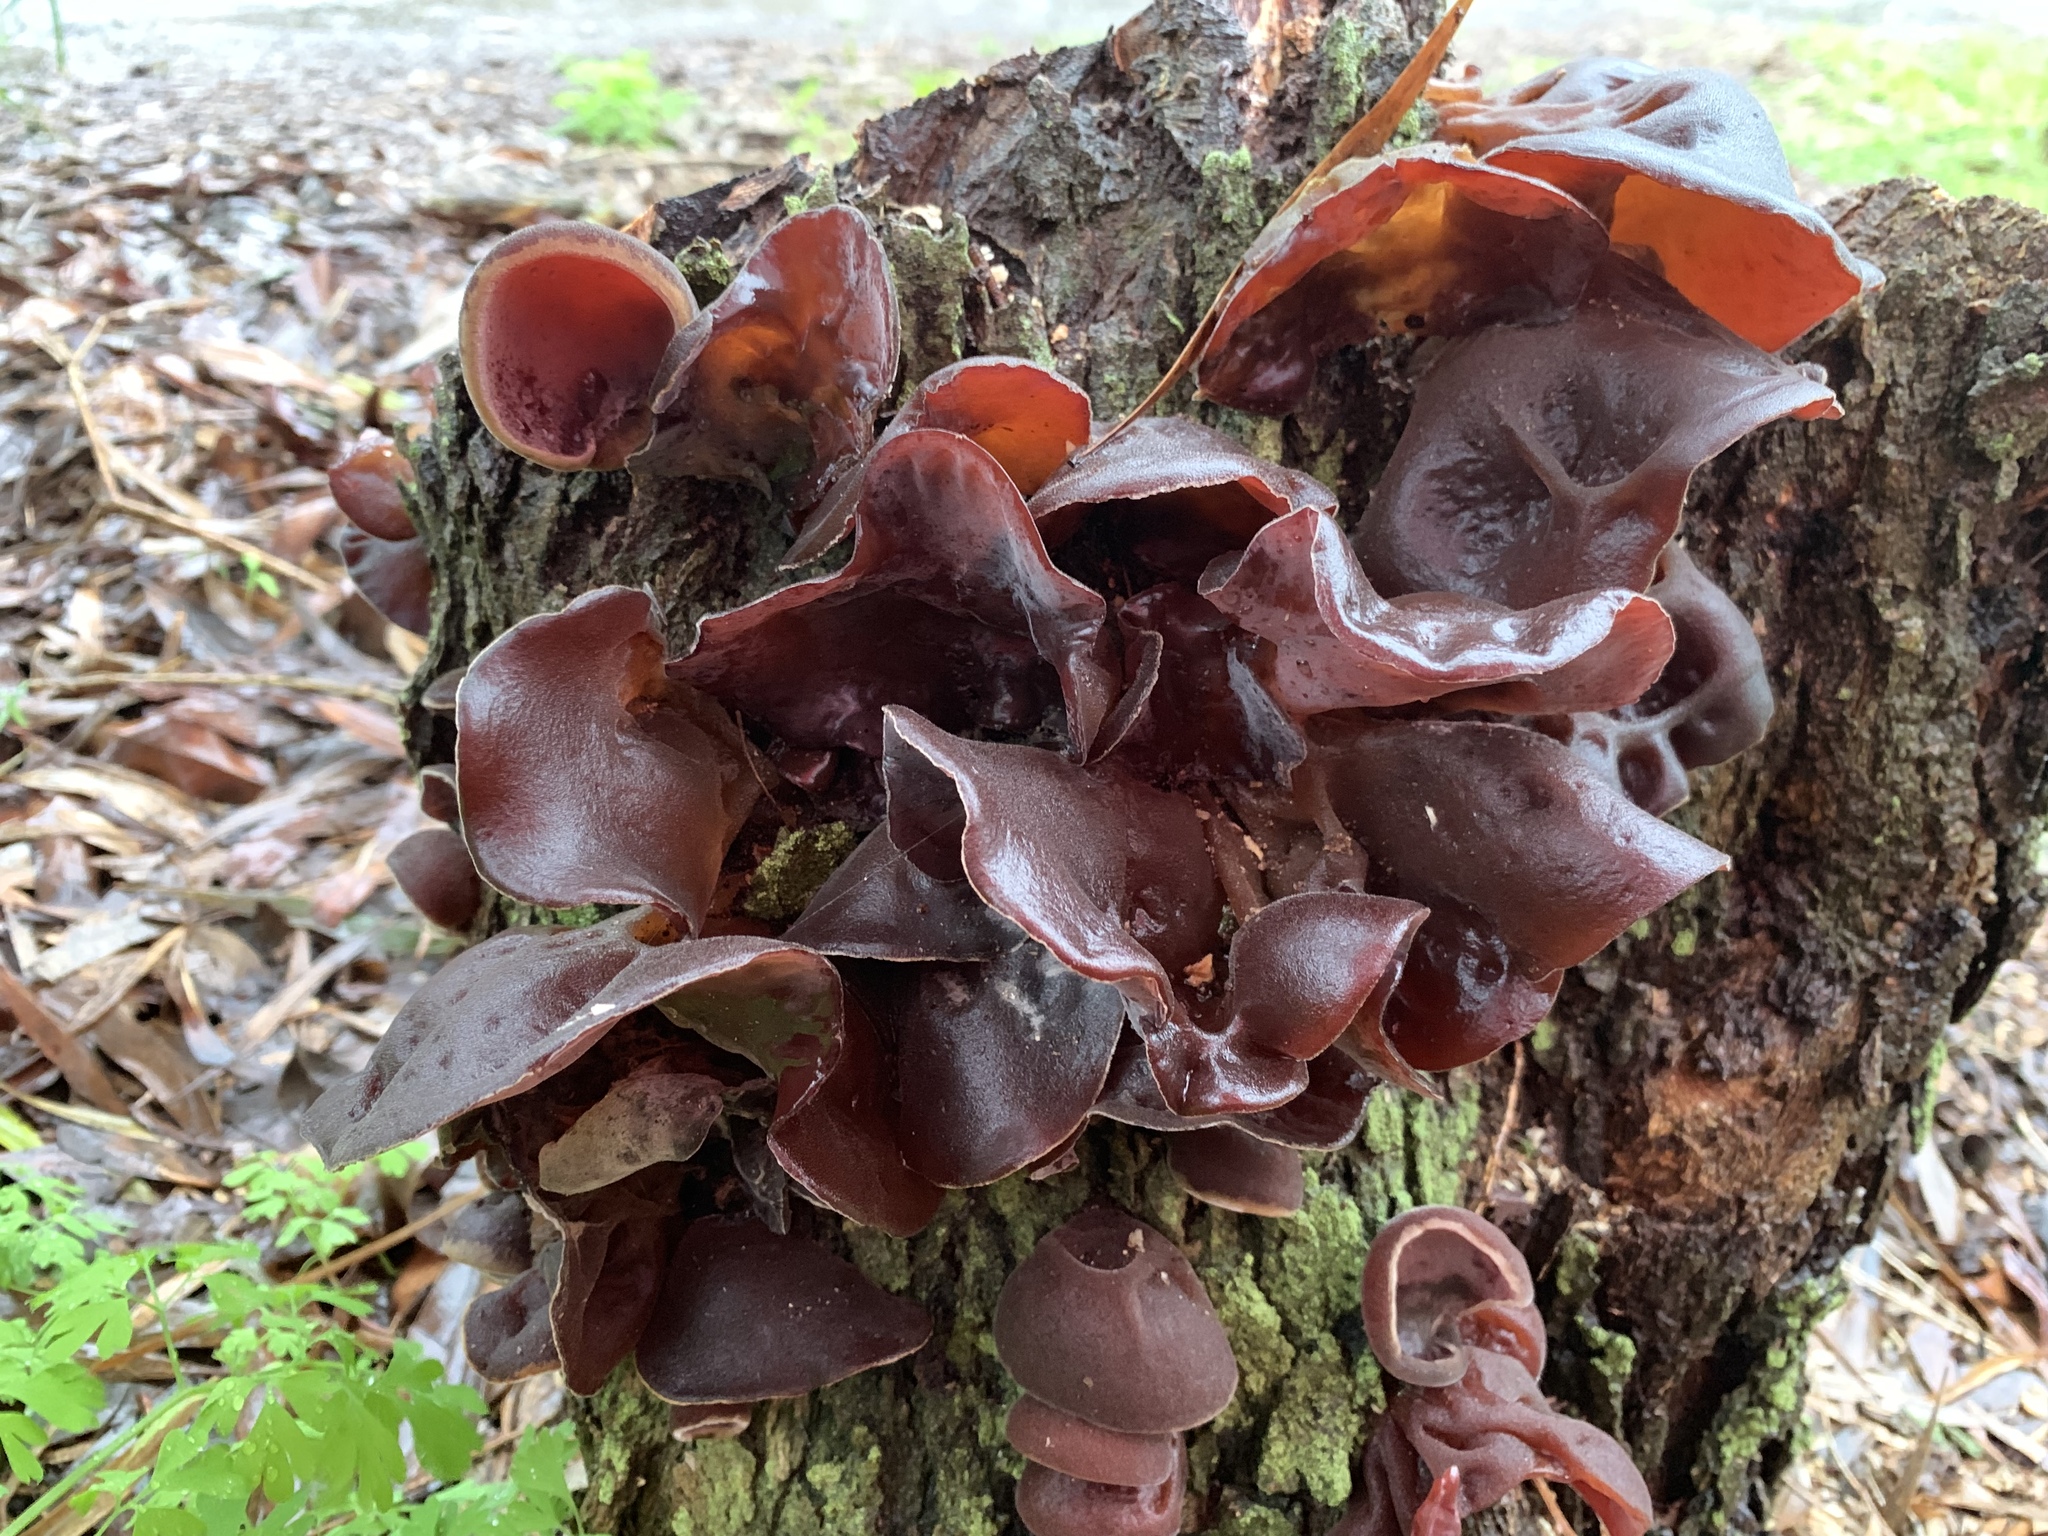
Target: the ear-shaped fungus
(1052, 1503)
(1423, 242)
(1113, 1339)
(787, 365)
(1176, 493)
(523, 1005)
(747, 1314)
(1712, 701)
(586, 775)
(494, 1235)
(1449, 1308)
(949, 604)
(1107, 1321)
(1527, 860)
(564, 326)
(1541, 461)
(380, 547)
(1686, 171)
(1114, 877)
(433, 868)
(1335, 643)
(1006, 1047)
(1028, 418)
(505, 1333)
(1426, 1271)
(1227, 1167)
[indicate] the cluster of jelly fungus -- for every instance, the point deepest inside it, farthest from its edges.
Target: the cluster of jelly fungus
(1167, 803)
(380, 547)
(1108, 1330)
(1450, 1310)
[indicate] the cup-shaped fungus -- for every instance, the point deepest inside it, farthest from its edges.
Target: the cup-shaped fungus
(950, 604)
(1541, 461)
(787, 366)
(748, 1314)
(380, 547)
(1233, 1169)
(1711, 702)
(432, 866)
(1449, 1308)
(1423, 242)
(1113, 1339)
(633, 790)
(1027, 418)
(1424, 1274)
(1106, 1320)
(1686, 171)
(1191, 828)
(564, 326)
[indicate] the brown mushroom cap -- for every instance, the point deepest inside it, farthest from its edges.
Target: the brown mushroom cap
(1027, 418)
(563, 328)
(433, 868)
(748, 1314)
(365, 484)
(393, 576)
(1712, 701)
(1225, 1166)
(506, 1334)
(438, 799)
(1426, 1269)
(1051, 1503)
(585, 774)
(1044, 1434)
(494, 1235)
(1421, 242)
(1107, 1320)
(1683, 165)
(786, 367)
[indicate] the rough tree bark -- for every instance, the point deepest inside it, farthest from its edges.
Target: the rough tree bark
(1726, 1093)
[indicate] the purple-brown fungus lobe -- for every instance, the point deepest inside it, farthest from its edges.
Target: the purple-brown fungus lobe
(563, 328)
(628, 788)
(1424, 242)
(1712, 701)
(385, 558)
(1542, 461)
(1449, 1308)
(1107, 1321)
(787, 365)
(1685, 170)
(1426, 1270)
(1027, 418)
(1169, 803)
(747, 1314)
(950, 604)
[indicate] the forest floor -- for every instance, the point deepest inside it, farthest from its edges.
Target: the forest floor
(209, 280)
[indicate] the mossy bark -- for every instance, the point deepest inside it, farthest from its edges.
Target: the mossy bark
(1726, 1094)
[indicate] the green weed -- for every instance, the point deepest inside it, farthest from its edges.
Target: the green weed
(811, 132)
(286, 1423)
(618, 101)
(1969, 112)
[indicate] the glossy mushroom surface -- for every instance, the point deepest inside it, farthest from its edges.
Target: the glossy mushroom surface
(564, 326)
(1683, 166)
(747, 1314)
(1422, 242)
(1106, 1320)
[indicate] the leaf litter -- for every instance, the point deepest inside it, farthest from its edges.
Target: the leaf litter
(207, 286)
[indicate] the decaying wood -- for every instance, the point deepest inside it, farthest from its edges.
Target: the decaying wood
(1727, 1094)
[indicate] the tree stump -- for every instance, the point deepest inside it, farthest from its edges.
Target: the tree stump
(1726, 1093)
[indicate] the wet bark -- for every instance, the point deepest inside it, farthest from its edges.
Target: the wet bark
(1723, 1098)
